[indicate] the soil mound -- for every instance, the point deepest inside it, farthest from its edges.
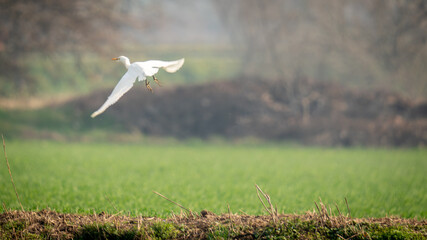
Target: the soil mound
(49, 224)
(306, 111)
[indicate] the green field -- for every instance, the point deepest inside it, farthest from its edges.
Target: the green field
(62, 74)
(111, 177)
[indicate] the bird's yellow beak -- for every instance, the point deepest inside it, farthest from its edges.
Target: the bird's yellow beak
(115, 59)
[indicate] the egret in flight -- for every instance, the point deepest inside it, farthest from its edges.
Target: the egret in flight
(140, 71)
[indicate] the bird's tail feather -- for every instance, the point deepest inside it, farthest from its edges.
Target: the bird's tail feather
(174, 66)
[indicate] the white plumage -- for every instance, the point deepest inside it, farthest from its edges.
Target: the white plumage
(140, 71)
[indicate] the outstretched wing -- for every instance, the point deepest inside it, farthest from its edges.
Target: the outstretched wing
(124, 85)
(151, 67)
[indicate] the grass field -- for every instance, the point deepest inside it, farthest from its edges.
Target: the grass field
(63, 74)
(87, 177)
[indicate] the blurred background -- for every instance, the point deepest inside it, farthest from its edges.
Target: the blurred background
(346, 73)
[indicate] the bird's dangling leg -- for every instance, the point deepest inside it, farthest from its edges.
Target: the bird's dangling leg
(147, 85)
(156, 80)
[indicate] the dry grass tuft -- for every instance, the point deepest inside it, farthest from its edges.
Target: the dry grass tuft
(10, 173)
(179, 205)
(270, 209)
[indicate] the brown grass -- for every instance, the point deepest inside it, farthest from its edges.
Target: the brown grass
(66, 226)
(270, 209)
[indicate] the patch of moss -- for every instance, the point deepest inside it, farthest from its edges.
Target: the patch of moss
(297, 229)
(377, 231)
(106, 231)
(219, 232)
(163, 230)
(15, 230)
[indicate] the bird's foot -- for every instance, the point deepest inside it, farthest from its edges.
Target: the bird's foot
(147, 85)
(156, 80)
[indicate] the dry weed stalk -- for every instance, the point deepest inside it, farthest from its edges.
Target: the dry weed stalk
(323, 215)
(338, 209)
(320, 212)
(348, 209)
(4, 208)
(326, 217)
(272, 211)
(229, 217)
(179, 205)
(111, 203)
(10, 173)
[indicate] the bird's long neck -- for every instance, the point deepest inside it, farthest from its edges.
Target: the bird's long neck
(126, 62)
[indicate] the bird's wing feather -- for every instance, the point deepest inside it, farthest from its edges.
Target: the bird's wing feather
(124, 85)
(151, 67)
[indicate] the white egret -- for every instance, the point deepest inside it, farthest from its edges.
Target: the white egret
(140, 71)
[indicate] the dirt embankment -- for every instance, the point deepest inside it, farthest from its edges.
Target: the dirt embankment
(48, 224)
(316, 113)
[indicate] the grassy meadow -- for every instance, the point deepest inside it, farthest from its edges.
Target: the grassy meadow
(115, 177)
(70, 75)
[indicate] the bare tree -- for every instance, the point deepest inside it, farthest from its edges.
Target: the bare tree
(359, 42)
(47, 26)
(399, 41)
(399, 29)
